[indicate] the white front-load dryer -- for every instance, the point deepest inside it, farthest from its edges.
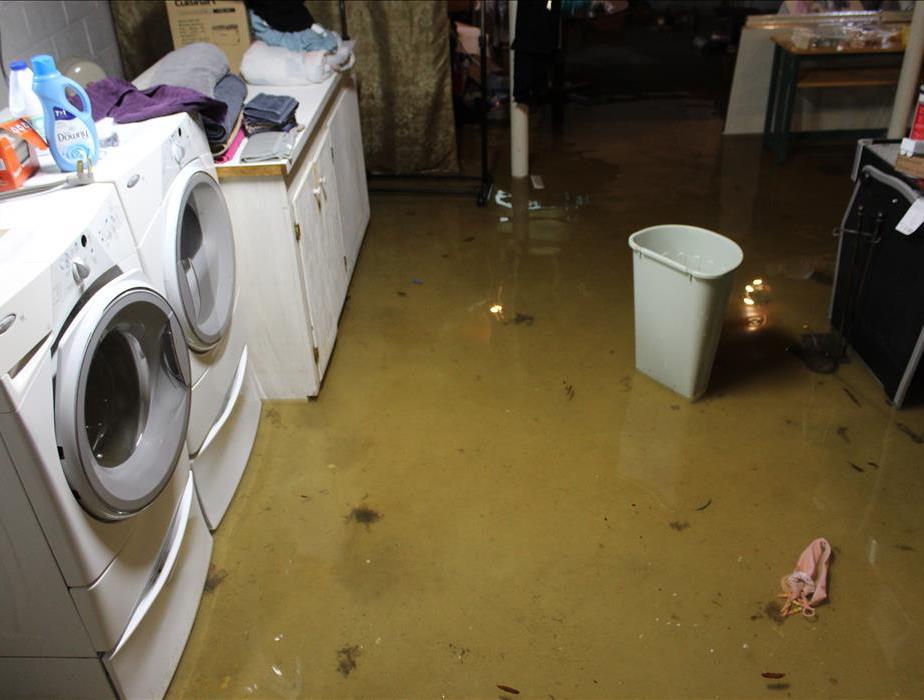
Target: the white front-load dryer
(167, 182)
(105, 550)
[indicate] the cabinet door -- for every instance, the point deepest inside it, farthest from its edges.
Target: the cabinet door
(350, 168)
(272, 303)
(328, 201)
(320, 249)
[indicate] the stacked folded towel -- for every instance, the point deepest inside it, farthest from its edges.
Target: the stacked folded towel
(270, 113)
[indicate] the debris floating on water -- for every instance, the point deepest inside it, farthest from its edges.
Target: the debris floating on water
(850, 395)
(915, 438)
(523, 318)
(364, 515)
(346, 659)
(214, 578)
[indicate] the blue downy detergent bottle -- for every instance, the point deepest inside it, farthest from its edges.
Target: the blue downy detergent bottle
(70, 132)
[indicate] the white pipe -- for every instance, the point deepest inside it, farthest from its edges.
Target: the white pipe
(519, 114)
(907, 91)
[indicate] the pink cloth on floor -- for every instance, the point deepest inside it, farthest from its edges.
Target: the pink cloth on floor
(814, 562)
(810, 577)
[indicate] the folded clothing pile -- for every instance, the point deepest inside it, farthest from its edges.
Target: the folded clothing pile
(263, 64)
(204, 67)
(195, 79)
(290, 48)
(231, 90)
(269, 113)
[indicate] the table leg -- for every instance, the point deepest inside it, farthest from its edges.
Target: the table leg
(789, 78)
(772, 98)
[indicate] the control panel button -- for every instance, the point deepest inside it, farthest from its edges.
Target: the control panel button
(80, 270)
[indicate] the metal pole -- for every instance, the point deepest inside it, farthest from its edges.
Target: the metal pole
(483, 57)
(906, 92)
(343, 21)
(519, 114)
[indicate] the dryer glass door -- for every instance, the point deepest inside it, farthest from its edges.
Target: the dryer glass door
(204, 260)
(122, 401)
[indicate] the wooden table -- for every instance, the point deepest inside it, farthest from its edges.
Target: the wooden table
(795, 68)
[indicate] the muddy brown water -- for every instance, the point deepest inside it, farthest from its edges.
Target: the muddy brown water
(554, 541)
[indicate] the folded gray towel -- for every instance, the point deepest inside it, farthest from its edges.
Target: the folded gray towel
(271, 108)
(196, 66)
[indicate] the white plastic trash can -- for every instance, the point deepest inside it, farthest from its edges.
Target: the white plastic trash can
(683, 277)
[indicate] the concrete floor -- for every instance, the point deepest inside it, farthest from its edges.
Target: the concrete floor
(480, 499)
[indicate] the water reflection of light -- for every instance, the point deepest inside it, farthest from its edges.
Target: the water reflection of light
(496, 309)
(755, 299)
(756, 293)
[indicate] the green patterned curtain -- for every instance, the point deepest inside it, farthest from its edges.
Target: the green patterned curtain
(143, 33)
(405, 86)
(402, 69)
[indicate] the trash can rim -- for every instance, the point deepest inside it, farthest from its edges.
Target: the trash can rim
(648, 253)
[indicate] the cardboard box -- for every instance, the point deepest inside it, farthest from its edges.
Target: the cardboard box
(220, 22)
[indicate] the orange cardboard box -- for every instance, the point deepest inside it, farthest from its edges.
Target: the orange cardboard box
(17, 159)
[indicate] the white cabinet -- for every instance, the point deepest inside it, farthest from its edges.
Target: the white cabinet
(320, 246)
(298, 227)
(351, 174)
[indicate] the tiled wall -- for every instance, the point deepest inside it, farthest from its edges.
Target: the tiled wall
(62, 28)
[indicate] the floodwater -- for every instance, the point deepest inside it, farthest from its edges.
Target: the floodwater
(487, 494)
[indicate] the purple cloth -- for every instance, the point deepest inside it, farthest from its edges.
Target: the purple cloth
(119, 99)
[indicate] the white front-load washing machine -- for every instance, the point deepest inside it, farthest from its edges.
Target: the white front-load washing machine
(104, 549)
(166, 179)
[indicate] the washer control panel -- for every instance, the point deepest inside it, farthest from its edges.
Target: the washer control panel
(102, 244)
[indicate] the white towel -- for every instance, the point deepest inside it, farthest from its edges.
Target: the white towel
(274, 65)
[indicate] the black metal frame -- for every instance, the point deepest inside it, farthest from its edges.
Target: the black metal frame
(485, 183)
(781, 99)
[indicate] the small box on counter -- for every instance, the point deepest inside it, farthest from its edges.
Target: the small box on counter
(220, 22)
(18, 145)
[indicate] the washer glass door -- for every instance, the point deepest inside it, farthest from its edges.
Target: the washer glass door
(204, 260)
(122, 402)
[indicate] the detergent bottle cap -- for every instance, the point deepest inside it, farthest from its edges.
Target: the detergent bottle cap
(18, 65)
(44, 65)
